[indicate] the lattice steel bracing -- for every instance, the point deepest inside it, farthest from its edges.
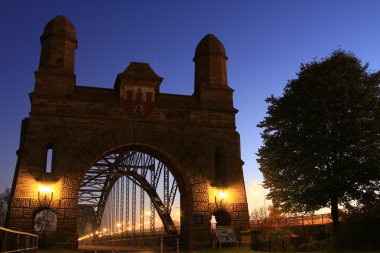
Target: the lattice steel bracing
(106, 187)
(127, 222)
(166, 189)
(117, 204)
(111, 212)
(173, 192)
(142, 212)
(152, 209)
(122, 202)
(133, 208)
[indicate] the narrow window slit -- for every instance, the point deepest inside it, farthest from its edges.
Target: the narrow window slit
(49, 159)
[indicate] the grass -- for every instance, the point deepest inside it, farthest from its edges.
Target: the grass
(247, 250)
(57, 249)
(229, 249)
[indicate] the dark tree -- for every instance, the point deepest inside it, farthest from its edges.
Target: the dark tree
(4, 198)
(258, 214)
(275, 211)
(321, 139)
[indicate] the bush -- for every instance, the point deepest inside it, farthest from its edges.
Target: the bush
(312, 245)
(360, 230)
(276, 239)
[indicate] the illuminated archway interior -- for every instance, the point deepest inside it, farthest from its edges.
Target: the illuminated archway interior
(127, 192)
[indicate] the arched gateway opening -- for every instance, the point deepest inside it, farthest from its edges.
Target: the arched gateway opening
(222, 218)
(100, 140)
(128, 192)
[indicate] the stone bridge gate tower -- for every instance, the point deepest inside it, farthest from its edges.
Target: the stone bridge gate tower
(195, 135)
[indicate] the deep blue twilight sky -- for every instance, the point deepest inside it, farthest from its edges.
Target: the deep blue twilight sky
(266, 41)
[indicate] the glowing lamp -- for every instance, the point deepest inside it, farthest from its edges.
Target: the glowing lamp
(220, 198)
(45, 196)
(222, 195)
(44, 189)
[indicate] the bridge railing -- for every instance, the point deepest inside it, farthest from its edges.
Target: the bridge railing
(141, 239)
(17, 241)
(304, 220)
(127, 234)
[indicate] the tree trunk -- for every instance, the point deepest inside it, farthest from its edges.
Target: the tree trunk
(335, 217)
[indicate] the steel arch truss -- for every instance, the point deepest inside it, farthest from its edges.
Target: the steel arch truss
(99, 180)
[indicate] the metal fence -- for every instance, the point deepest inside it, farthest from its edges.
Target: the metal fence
(304, 220)
(17, 241)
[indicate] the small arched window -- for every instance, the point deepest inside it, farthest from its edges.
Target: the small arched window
(222, 218)
(219, 163)
(49, 158)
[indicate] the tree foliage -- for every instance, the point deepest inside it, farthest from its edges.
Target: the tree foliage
(275, 212)
(4, 197)
(258, 214)
(321, 138)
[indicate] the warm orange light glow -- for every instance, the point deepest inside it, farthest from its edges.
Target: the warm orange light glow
(44, 189)
(222, 195)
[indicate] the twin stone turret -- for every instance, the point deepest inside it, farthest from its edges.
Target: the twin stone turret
(138, 83)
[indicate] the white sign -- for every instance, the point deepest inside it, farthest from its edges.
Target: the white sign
(225, 235)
